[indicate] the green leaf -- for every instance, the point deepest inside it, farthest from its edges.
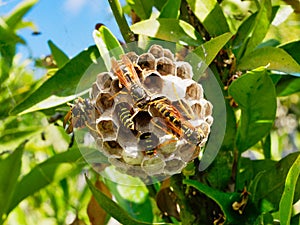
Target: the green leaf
(293, 48)
(59, 56)
(170, 9)
(248, 170)
(113, 208)
(287, 199)
(288, 85)
(172, 30)
(210, 15)
(134, 202)
(19, 12)
(143, 8)
(10, 168)
(273, 58)
(12, 138)
(159, 4)
(270, 185)
(108, 45)
(61, 87)
(224, 200)
(243, 33)
(53, 169)
(207, 52)
(260, 27)
(255, 94)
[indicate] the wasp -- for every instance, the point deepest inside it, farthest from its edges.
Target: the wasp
(81, 114)
(124, 115)
(149, 143)
(130, 80)
(176, 122)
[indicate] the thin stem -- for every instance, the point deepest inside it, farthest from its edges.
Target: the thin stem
(117, 10)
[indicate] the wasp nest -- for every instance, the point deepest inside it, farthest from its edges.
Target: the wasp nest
(151, 117)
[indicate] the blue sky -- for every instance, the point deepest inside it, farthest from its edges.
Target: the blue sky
(68, 23)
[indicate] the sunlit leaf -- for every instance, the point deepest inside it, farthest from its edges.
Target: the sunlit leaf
(59, 56)
(10, 168)
(172, 30)
(211, 15)
(142, 8)
(112, 208)
(65, 81)
(260, 26)
(244, 32)
(53, 169)
(206, 53)
(255, 94)
(170, 9)
(287, 198)
(273, 58)
(19, 12)
(107, 44)
(11, 138)
(134, 199)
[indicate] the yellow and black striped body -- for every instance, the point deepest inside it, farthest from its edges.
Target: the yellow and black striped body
(148, 142)
(176, 122)
(125, 115)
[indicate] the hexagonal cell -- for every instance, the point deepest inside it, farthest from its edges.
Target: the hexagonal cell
(207, 106)
(94, 91)
(165, 66)
(104, 101)
(116, 86)
(174, 165)
(127, 139)
(120, 165)
(188, 152)
(153, 165)
(132, 56)
(103, 80)
(107, 128)
(112, 149)
(132, 156)
(197, 109)
(137, 171)
(156, 50)
(168, 144)
(146, 61)
(205, 128)
(194, 91)
(209, 120)
(153, 82)
(184, 70)
(202, 108)
(169, 54)
(142, 121)
(172, 88)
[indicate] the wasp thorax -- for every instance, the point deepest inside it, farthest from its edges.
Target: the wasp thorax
(152, 118)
